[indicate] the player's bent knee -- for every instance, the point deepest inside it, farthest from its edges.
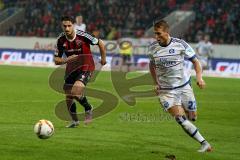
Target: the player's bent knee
(79, 84)
(180, 118)
(193, 119)
(77, 90)
(77, 95)
(192, 115)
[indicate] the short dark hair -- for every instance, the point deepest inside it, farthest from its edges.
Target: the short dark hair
(161, 23)
(67, 18)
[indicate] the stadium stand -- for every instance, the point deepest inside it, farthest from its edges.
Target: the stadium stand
(114, 19)
(217, 18)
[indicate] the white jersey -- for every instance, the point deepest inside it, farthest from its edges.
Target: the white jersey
(169, 63)
(81, 27)
(204, 49)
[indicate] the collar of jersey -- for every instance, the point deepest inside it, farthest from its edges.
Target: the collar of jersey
(70, 40)
(165, 45)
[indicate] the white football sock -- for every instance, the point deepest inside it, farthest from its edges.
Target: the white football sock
(192, 130)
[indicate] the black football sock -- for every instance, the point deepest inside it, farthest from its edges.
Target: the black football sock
(84, 102)
(73, 111)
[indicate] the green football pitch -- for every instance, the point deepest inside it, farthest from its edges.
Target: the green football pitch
(127, 132)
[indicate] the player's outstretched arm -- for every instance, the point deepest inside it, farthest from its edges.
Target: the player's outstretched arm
(198, 70)
(61, 61)
(102, 52)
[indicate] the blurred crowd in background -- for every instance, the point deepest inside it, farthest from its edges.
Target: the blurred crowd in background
(113, 19)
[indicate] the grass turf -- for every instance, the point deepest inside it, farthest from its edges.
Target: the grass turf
(125, 133)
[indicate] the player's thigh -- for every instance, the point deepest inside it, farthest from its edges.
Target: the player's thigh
(68, 90)
(188, 99)
(78, 88)
(189, 103)
(69, 82)
(169, 99)
(80, 81)
(176, 111)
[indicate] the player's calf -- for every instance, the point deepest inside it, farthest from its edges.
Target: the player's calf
(88, 109)
(188, 127)
(192, 131)
(84, 102)
(73, 111)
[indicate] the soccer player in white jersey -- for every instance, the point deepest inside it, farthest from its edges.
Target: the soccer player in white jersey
(204, 52)
(79, 25)
(172, 81)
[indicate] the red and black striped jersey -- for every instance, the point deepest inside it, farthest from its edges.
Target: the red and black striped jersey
(79, 45)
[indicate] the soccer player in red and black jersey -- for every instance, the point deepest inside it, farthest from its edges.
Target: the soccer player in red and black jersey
(75, 44)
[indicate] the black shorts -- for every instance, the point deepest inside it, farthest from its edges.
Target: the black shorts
(83, 76)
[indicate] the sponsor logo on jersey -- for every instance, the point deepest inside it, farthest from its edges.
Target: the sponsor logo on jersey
(74, 50)
(79, 43)
(171, 51)
(166, 62)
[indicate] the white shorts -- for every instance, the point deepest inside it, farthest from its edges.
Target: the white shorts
(183, 96)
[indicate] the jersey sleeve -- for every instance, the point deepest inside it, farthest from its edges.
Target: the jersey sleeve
(89, 37)
(59, 49)
(189, 53)
(150, 54)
